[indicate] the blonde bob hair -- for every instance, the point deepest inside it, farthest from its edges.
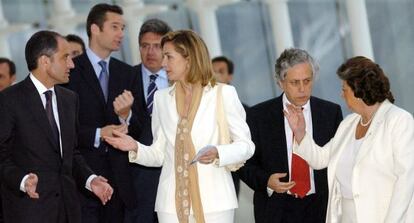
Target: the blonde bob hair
(189, 45)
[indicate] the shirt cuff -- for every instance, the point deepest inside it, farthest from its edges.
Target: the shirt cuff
(97, 138)
(127, 120)
(22, 188)
(269, 191)
(89, 181)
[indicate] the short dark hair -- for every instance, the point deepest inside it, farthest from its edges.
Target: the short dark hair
(97, 15)
(12, 66)
(76, 39)
(154, 26)
(41, 43)
(230, 65)
(366, 79)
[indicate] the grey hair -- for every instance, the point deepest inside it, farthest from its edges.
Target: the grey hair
(291, 57)
(154, 26)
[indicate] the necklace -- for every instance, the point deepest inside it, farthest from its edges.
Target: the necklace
(369, 121)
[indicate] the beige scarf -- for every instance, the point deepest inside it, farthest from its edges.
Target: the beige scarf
(187, 193)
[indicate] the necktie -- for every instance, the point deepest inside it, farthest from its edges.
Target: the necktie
(152, 87)
(300, 174)
(103, 79)
(50, 116)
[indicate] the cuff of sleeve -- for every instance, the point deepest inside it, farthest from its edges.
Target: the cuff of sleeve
(133, 155)
(22, 188)
(89, 181)
(127, 120)
(269, 191)
(97, 138)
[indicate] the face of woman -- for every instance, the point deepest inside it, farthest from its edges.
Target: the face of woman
(174, 63)
(348, 95)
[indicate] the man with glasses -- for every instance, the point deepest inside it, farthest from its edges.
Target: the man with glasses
(151, 77)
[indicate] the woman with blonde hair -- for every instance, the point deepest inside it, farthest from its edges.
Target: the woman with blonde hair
(185, 120)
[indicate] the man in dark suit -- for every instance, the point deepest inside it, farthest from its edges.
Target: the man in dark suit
(286, 189)
(109, 97)
(151, 77)
(39, 160)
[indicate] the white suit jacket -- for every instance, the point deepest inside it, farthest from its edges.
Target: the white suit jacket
(216, 184)
(383, 174)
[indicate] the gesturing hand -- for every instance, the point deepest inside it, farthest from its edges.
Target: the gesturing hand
(275, 184)
(122, 104)
(294, 115)
(122, 141)
(101, 189)
(30, 186)
(108, 130)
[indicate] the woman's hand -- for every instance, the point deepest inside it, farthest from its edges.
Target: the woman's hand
(209, 156)
(121, 141)
(294, 115)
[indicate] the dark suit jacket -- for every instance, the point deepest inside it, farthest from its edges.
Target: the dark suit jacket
(266, 122)
(95, 113)
(145, 178)
(27, 145)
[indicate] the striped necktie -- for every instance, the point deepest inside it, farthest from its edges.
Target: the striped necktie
(152, 87)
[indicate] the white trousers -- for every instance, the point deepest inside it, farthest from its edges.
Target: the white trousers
(214, 217)
(348, 211)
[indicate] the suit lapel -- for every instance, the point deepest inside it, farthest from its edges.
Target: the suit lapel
(64, 113)
(376, 122)
(277, 134)
(115, 86)
(89, 75)
(35, 104)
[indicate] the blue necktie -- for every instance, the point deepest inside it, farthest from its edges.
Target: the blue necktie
(103, 79)
(152, 87)
(50, 116)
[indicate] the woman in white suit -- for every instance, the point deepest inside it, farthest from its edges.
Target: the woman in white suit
(184, 120)
(370, 160)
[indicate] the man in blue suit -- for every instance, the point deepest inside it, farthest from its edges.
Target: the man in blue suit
(110, 97)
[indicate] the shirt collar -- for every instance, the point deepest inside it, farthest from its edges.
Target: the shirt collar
(95, 58)
(306, 107)
(206, 88)
(41, 89)
(161, 73)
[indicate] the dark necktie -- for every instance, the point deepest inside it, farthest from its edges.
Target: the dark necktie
(103, 79)
(152, 87)
(50, 116)
(299, 174)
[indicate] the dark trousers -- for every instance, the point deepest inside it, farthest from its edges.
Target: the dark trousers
(145, 181)
(288, 209)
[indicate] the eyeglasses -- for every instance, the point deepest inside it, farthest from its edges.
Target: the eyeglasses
(147, 46)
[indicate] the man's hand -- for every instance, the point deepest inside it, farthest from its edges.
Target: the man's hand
(296, 121)
(101, 189)
(108, 130)
(122, 141)
(30, 186)
(275, 184)
(122, 104)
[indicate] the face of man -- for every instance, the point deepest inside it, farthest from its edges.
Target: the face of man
(5, 77)
(75, 49)
(221, 72)
(151, 52)
(59, 64)
(110, 37)
(297, 84)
